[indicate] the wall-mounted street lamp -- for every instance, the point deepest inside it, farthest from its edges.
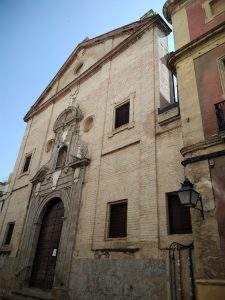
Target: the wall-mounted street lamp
(189, 197)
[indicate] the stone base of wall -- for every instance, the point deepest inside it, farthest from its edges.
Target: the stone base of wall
(118, 279)
(7, 275)
(99, 279)
(210, 289)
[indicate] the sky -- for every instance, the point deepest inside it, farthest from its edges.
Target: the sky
(36, 37)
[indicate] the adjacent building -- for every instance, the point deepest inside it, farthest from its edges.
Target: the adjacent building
(199, 63)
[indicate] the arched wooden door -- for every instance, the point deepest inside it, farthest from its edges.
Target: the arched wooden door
(43, 270)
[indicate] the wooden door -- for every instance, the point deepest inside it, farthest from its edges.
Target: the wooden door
(43, 271)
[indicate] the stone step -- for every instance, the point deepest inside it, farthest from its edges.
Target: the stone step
(17, 297)
(28, 294)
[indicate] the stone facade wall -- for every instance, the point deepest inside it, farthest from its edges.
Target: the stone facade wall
(120, 279)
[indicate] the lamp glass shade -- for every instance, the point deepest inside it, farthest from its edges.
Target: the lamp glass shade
(185, 197)
(188, 196)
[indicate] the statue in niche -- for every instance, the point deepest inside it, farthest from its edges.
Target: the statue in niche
(68, 150)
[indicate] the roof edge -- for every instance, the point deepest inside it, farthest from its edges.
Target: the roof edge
(168, 8)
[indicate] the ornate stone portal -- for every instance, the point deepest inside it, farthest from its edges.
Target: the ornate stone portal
(56, 180)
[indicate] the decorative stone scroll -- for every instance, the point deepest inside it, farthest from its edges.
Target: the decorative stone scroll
(68, 116)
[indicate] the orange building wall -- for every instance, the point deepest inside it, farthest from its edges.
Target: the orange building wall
(209, 87)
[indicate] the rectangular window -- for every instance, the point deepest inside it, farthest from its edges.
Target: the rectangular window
(179, 215)
(9, 233)
(1, 205)
(217, 7)
(122, 114)
(223, 71)
(117, 220)
(26, 163)
(221, 66)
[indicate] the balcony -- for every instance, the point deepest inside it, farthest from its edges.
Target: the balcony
(220, 114)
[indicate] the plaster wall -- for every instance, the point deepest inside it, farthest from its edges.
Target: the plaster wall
(209, 76)
(217, 173)
(180, 27)
(189, 102)
(191, 19)
(169, 176)
(209, 260)
(200, 19)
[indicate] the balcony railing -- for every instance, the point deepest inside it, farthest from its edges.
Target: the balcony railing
(220, 114)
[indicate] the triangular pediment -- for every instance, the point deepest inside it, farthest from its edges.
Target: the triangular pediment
(87, 54)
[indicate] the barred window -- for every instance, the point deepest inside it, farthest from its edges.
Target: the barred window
(117, 220)
(179, 215)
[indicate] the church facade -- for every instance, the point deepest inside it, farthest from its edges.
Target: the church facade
(92, 209)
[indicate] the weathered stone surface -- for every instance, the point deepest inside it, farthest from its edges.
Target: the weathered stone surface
(118, 279)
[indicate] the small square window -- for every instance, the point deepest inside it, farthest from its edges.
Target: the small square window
(9, 233)
(179, 215)
(117, 220)
(26, 163)
(122, 115)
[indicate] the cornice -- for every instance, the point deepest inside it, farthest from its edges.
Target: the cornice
(155, 20)
(186, 49)
(202, 157)
(213, 141)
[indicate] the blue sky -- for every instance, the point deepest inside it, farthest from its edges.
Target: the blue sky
(36, 37)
